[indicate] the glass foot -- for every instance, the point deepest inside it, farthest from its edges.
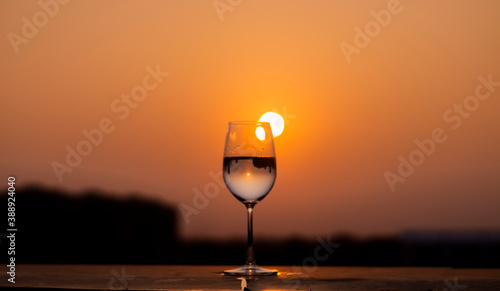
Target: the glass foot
(250, 270)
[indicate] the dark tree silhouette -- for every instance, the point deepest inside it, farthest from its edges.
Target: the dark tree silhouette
(54, 227)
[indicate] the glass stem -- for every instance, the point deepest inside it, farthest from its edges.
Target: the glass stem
(250, 253)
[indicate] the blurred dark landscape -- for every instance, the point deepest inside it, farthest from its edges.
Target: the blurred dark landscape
(91, 228)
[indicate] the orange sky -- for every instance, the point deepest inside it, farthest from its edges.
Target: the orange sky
(347, 122)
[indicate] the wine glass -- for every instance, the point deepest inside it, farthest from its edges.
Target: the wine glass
(249, 171)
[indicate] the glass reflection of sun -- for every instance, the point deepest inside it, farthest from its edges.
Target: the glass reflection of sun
(277, 125)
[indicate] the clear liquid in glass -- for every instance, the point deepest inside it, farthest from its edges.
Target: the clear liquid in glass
(249, 178)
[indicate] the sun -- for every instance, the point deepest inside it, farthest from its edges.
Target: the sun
(277, 122)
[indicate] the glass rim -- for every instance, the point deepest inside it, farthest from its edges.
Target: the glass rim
(248, 122)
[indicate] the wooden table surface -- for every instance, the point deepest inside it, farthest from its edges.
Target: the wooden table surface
(140, 277)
